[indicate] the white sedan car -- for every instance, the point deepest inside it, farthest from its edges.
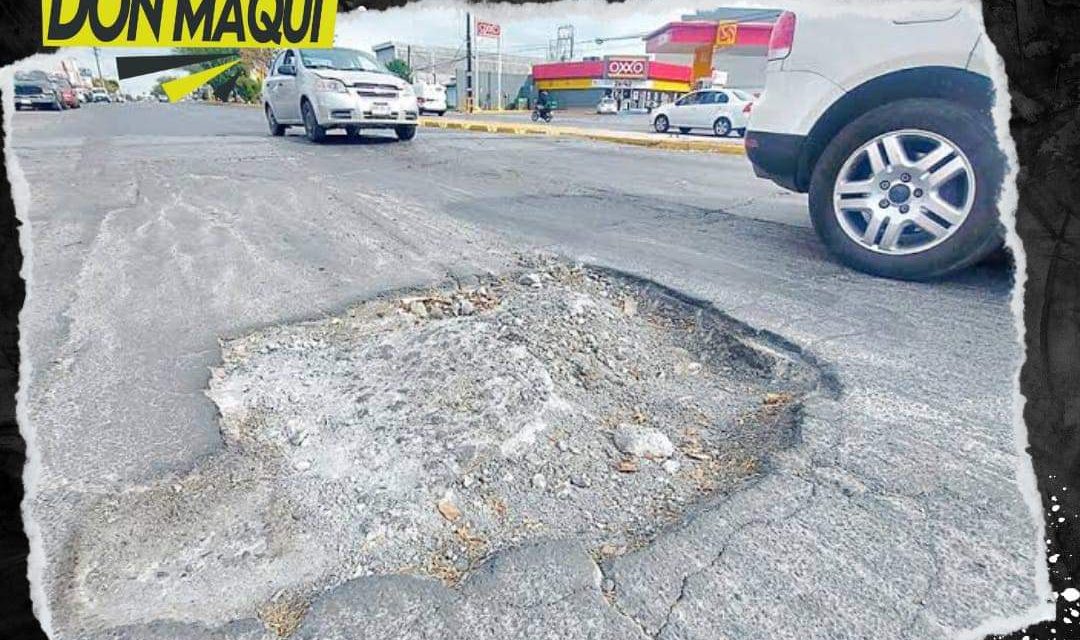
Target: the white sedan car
(721, 111)
(607, 105)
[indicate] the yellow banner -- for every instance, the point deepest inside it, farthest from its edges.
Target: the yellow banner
(189, 23)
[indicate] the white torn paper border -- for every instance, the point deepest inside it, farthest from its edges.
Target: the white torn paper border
(1025, 474)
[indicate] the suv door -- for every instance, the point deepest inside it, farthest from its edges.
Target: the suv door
(281, 91)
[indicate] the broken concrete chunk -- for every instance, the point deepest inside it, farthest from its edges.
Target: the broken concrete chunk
(644, 442)
(448, 510)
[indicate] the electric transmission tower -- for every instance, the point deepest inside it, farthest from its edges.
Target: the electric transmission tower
(564, 43)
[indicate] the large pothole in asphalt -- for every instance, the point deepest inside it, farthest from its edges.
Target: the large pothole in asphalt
(421, 434)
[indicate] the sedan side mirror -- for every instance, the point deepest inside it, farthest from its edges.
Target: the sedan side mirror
(287, 70)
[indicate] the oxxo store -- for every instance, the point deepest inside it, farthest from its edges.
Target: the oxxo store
(634, 81)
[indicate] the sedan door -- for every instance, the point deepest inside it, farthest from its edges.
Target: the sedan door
(716, 104)
(281, 90)
(683, 113)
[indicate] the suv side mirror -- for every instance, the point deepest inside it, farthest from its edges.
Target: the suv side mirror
(287, 70)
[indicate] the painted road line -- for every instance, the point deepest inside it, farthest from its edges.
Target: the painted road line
(653, 141)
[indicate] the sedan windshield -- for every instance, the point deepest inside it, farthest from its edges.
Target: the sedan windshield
(341, 59)
(28, 89)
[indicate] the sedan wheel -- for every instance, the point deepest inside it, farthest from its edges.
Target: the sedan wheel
(314, 131)
(722, 127)
(661, 124)
(271, 121)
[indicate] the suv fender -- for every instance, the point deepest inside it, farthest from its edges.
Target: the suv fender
(946, 83)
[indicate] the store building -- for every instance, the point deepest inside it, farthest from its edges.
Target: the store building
(634, 81)
(719, 52)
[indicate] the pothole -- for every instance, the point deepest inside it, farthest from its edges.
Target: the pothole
(422, 433)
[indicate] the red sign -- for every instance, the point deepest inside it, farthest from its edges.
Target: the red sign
(624, 67)
(488, 29)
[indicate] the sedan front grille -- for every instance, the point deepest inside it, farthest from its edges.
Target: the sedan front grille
(368, 89)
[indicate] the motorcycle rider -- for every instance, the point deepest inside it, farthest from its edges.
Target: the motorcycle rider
(543, 105)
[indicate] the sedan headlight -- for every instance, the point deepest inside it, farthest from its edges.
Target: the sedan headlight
(330, 85)
(407, 91)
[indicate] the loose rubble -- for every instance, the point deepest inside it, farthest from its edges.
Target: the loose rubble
(423, 432)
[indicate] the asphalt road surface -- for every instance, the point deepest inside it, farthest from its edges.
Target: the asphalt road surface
(159, 229)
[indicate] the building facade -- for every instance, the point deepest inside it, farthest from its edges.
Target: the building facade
(447, 66)
(633, 81)
(724, 52)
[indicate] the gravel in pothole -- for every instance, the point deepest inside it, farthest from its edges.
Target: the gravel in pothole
(421, 434)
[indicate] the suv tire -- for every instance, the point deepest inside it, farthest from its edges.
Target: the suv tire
(405, 132)
(972, 239)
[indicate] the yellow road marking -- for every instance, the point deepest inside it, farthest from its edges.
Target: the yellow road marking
(641, 140)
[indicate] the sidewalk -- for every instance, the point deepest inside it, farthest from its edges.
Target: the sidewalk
(673, 142)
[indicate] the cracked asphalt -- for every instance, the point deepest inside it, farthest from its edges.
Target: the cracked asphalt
(159, 229)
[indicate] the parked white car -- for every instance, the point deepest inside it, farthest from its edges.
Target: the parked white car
(607, 104)
(324, 89)
(895, 145)
(430, 97)
(720, 111)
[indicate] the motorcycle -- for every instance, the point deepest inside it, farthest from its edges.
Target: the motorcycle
(538, 115)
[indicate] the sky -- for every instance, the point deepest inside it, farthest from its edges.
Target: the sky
(526, 31)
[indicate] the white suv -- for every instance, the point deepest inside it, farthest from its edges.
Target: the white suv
(886, 124)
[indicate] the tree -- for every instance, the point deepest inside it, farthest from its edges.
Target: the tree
(243, 80)
(158, 90)
(112, 86)
(401, 69)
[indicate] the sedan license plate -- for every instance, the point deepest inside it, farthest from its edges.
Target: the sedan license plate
(380, 109)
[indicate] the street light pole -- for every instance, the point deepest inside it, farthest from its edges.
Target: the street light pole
(498, 49)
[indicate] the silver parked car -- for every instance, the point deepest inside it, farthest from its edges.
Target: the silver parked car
(323, 89)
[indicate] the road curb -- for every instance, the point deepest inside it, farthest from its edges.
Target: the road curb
(674, 143)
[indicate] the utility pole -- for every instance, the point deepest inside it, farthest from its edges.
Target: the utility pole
(468, 64)
(498, 49)
(101, 78)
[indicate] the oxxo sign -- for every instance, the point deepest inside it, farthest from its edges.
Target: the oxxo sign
(626, 67)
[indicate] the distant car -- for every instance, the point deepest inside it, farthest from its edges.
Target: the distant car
(100, 95)
(324, 89)
(895, 146)
(38, 94)
(722, 111)
(69, 97)
(161, 97)
(607, 105)
(430, 98)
